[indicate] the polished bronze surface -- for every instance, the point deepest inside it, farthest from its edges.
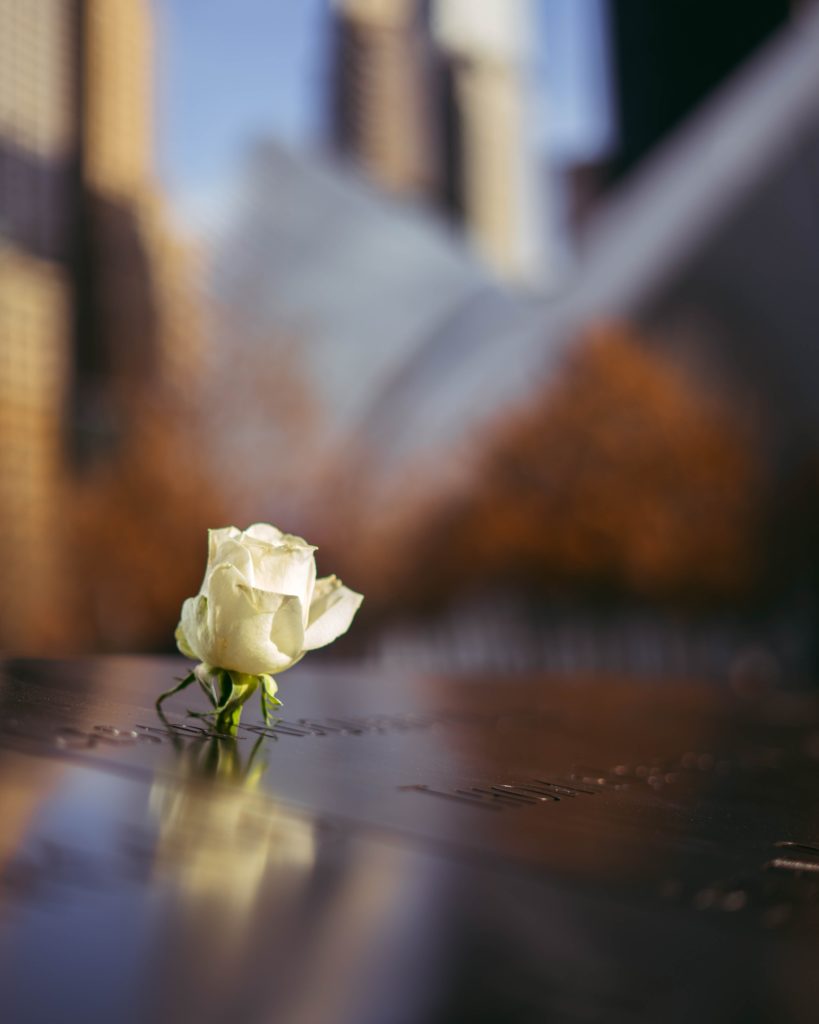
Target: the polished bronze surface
(405, 849)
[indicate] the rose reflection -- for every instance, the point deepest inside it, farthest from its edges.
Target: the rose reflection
(263, 914)
(222, 840)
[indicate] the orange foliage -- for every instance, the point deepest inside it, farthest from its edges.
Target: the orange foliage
(223, 454)
(624, 474)
(141, 527)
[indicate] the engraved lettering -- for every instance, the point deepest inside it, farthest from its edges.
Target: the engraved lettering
(508, 795)
(461, 797)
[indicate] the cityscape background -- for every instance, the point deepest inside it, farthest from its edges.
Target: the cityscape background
(508, 306)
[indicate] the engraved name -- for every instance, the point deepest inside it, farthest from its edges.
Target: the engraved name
(506, 795)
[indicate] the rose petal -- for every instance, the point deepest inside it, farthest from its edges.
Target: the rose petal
(233, 552)
(331, 612)
(246, 625)
(218, 537)
(193, 624)
(283, 569)
(182, 640)
(266, 532)
(287, 630)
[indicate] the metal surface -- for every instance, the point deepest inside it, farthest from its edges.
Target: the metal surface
(405, 849)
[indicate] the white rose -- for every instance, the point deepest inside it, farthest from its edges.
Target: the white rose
(260, 607)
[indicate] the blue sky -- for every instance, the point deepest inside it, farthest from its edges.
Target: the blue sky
(231, 71)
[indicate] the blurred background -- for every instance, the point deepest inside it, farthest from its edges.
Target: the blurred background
(510, 306)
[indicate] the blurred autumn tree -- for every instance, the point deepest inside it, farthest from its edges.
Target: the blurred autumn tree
(625, 475)
(141, 520)
(226, 451)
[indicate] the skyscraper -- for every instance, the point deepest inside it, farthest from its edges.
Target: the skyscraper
(85, 318)
(37, 131)
(36, 122)
(487, 46)
(433, 99)
(385, 101)
(117, 124)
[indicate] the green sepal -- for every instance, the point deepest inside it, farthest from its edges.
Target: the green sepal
(228, 692)
(268, 697)
(181, 685)
(209, 679)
